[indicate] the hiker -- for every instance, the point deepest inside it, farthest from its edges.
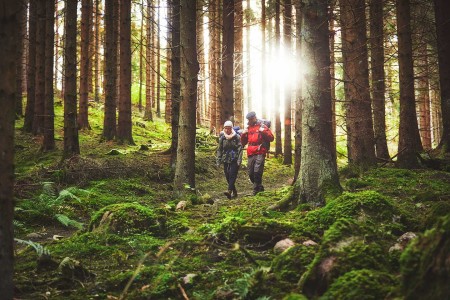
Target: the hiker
(258, 136)
(230, 154)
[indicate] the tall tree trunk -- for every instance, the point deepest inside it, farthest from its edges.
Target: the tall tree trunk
(86, 13)
(168, 108)
(158, 63)
(141, 54)
(38, 120)
(278, 143)
(249, 96)
(9, 29)
(409, 138)
(124, 126)
(227, 62)
(176, 79)
(360, 140)
(49, 119)
(185, 164)
(57, 46)
(218, 45)
(71, 142)
(201, 58)
(264, 111)
(442, 13)
(109, 122)
(378, 78)
(21, 33)
(298, 99)
(212, 25)
(31, 68)
(423, 96)
(148, 115)
(287, 159)
(333, 74)
(239, 63)
(97, 52)
(318, 170)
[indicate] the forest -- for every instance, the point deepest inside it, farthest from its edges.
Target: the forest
(112, 120)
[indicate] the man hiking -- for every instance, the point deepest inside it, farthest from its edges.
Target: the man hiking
(258, 136)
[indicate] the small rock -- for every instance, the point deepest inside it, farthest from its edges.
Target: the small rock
(283, 245)
(189, 278)
(403, 241)
(34, 235)
(114, 152)
(181, 205)
(309, 243)
(57, 237)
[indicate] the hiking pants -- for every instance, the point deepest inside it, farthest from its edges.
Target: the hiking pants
(255, 171)
(231, 171)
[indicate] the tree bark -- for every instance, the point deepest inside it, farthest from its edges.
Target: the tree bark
(31, 69)
(168, 104)
(141, 54)
(298, 99)
(109, 122)
(442, 13)
(86, 14)
(239, 63)
(175, 79)
(264, 111)
(21, 34)
(71, 142)
(423, 96)
(227, 62)
(185, 164)
(148, 115)
(39, 104)
(409, 138)
(124, 127)
(249, 96)
(318, 171)
(378, 78)
(158, 64)
(97, 52)
(287, 159)
(9, 29)
(49, 119)
(360, 136)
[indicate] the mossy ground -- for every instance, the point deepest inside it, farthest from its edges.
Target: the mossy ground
(226, 245)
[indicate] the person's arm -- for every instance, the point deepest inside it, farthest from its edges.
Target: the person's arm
(244, 137)
(219, 151)
(268, 135)
(239, 150)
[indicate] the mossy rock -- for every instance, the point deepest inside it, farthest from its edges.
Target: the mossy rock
(365, 205)
(361, 284)
(347, 245)
(126, 218)
(292, 263)
(425, 264)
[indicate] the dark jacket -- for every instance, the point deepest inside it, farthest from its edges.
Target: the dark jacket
(229, 149)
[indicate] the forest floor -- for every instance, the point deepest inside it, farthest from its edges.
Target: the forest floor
(104, 225)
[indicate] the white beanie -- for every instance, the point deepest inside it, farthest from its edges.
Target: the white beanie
(228, 123)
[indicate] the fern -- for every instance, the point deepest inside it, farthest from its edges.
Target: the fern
(66, 221)
(40, 250)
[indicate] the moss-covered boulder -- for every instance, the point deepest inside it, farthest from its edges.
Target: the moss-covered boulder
(126, 218)
(361, 284)
(364, 206)
(425, 264)
(292, 263)
(347, 245)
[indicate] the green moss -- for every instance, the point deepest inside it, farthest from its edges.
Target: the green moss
(294, 296)
(361, 284)
(125, 218)
(424, 264)
(292, 263)
(354, 184)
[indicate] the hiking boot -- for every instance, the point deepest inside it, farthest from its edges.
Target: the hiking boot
(234, 194)
(228, 194)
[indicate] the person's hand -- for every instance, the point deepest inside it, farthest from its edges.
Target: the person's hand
(261, 129)
(245, 130)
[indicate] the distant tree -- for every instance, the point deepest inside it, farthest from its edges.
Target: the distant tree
(9, 29)
(31, 68)
(442, 12)
(214, 55)
(378, 77)
(185, 164)
(21, 35)
(71, 142)
(97, 38)
(276, 100)
(409, 139)
(201, 102)
(248, 20)
(298, 99)
(109, 122)
(148, 114)
(239, 64)
(158, 62)
(141, 55)
(227, 82)
(360, 136)
(86, 14)
(168, 104)
(39, 104)
(49, 118)
(175, 79)
(264, 112)
(124, 133)
(318, 170)
(287, 159)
